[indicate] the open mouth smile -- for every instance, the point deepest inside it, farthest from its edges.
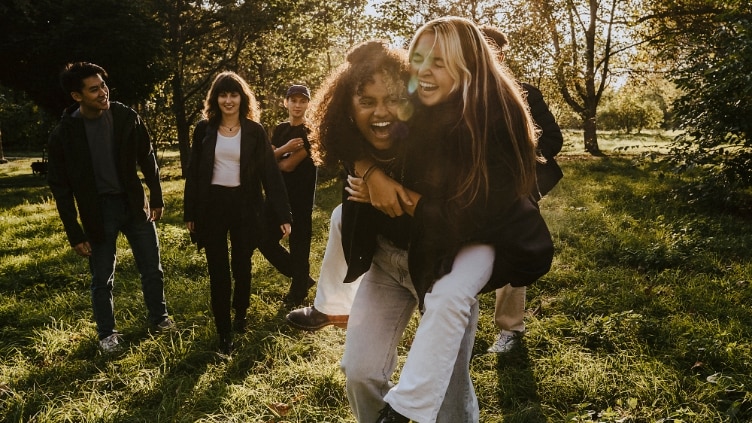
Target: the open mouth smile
(381, 129)
(425, 86)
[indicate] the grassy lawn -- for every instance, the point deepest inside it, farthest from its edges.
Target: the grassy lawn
(646, 316)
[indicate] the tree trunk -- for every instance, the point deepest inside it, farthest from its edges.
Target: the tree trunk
(2, 154)
(591, 136)
(183, 127)
(184, 143)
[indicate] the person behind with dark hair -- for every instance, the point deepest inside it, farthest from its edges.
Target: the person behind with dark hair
(292, 150)
(231, 167)
(509, 310)
(93, 155)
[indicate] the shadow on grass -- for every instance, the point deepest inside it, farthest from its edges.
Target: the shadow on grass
(193, 388)
(517, 388)
(20, 189)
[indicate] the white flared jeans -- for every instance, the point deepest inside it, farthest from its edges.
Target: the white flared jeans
(435, 384)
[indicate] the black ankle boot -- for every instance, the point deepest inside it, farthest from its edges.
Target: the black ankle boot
(239, 325)
(388, 415)
(225, 344)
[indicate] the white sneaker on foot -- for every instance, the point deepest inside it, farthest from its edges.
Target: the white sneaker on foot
(166, 325)
(111, 344)
(505, 341)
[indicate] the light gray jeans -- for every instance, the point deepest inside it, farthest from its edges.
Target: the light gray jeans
(435, 384)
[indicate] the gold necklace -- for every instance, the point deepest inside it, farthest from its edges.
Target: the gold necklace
(380, 160)
(230, 128)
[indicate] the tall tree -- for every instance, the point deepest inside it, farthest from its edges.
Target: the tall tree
(3, 160)
(38, 38)
(585, 37)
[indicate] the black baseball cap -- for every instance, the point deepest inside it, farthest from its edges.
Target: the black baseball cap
(298, 89)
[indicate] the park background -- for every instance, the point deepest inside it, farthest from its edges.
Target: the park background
(645, 316)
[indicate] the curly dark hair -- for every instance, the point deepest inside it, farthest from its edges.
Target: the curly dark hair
(334, 136)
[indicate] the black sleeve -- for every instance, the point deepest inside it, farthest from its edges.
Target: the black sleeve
(276, 135)
(62, 189)
(271, 179)
(147, 162)
(551, 139)
(190, 193)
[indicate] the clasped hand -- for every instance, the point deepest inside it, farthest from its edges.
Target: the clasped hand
(381, 191)
(293, 145)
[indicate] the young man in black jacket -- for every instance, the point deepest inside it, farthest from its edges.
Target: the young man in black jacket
(93, 155)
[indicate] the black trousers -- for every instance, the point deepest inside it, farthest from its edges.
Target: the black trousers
(225, 218)
(295, 263)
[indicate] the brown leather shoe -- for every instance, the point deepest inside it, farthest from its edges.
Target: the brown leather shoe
(310, 319)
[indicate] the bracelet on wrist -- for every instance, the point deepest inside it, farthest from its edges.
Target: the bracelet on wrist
(368, 172)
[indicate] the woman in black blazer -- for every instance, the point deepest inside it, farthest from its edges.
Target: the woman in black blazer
(231, 162)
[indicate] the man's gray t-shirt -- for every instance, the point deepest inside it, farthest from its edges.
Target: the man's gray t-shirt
(100, 134)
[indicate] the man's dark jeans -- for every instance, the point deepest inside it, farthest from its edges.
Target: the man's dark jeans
(142, 237)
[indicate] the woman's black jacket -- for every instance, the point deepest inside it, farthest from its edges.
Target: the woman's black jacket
(259, 175)
(440, 227)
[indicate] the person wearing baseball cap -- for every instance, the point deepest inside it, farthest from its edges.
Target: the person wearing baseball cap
(297, 90)
(293, 153)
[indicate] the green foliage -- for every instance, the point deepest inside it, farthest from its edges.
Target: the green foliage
(715, 108)
(38, 38)
(23, 125)
(644, 317)
(630, 110)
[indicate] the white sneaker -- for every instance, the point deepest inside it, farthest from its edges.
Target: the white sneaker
(505, 341)
(166, 325)
(111, 344)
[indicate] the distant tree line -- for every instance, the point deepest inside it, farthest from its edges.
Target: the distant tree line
(610, 64)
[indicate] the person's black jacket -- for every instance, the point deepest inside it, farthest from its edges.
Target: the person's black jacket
(549, 143)
(71, 172)
(514, 226)
(442, 226)
(258, 170)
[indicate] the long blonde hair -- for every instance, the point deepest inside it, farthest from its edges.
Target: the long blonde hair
(484, 85)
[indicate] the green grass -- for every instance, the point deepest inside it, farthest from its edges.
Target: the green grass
(646, 316)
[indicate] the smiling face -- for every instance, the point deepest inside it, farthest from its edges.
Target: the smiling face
(94, 97)
(375, 111)
(229, 104)
(429, 71)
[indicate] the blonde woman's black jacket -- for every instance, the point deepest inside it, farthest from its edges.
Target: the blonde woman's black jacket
(440, 228)
(259, 175)
(71, 173)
